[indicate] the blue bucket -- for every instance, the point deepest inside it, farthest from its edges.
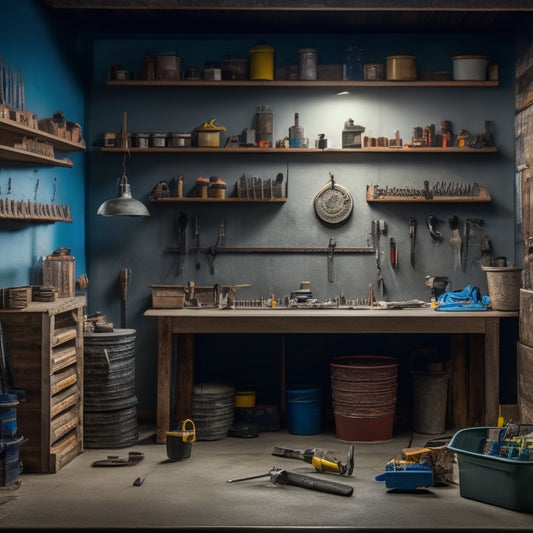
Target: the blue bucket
(8, 415)
(304, 411)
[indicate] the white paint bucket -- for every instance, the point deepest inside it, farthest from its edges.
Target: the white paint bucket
(470, 67)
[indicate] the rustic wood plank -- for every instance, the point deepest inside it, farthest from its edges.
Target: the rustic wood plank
(164, 360)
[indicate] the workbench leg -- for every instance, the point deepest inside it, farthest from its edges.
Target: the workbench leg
(164, 358)
(185, 343)
(459, 381)
(492, 370)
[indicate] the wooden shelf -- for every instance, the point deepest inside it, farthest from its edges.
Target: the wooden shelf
(217, 200)
(63, 145)
(482, 197)
(255, 150)
(341, 84)
(8, 153)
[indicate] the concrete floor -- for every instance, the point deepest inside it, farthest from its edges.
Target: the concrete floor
(193, 493)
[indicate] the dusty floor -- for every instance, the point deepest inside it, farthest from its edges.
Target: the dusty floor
(193, 493)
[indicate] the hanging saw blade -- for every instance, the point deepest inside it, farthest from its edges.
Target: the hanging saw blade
(412, 238)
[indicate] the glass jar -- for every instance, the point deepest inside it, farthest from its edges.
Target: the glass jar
(353, 63)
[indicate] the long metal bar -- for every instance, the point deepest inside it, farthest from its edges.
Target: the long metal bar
(276, 250)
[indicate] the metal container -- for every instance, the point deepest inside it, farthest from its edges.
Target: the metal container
(142, 140)
(179, 140)
(307, 61)
(374, 71)
(158, 140)
(401, 68)
(264, 126)
(167, 66)
(234, 68)
(262, 62)
(470, 67)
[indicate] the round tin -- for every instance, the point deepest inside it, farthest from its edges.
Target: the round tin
(178, 140)
(158, 140)
(142, 140)
(401, 68)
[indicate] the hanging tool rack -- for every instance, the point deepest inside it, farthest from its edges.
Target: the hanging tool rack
(276, 250)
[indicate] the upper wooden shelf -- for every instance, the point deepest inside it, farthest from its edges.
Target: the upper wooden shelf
(256, 150)
(341, 84)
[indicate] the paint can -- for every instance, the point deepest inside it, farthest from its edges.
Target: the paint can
(262, 62)
(180, 439)
(401, 68)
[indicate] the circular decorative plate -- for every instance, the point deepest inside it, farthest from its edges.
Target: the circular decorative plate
(333, 203)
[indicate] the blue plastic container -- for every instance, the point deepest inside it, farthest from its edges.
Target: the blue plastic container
(8, 415)
(304, 411)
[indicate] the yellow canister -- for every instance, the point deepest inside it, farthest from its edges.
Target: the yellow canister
(245, 398)
(401, 68)
(262, 62)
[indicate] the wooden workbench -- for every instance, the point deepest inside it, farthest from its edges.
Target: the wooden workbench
(185, 323)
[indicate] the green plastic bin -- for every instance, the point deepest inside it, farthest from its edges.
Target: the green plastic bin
(495, 480)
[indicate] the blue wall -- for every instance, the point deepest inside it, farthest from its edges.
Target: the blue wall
(140, 244)
(31, 43)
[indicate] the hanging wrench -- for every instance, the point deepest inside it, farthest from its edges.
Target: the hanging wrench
(431, 223)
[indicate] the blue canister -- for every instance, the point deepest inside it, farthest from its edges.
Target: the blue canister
(304, 410)
(8, 415)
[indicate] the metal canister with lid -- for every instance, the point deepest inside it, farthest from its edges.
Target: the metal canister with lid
(401, 68)
(264, 126)
(158, 140)
(307, 61)
(179, 140)
(262, 62)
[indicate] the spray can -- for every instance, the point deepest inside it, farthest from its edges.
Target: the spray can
(264, 126)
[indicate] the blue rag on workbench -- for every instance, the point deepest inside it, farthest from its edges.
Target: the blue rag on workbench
(469, 299)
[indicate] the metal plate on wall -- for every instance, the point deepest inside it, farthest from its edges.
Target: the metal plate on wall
(333, 203)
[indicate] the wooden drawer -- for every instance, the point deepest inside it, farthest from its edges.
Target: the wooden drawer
(63, 379)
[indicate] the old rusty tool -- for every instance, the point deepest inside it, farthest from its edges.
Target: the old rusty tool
(412, 238)
(455, 240)
(431, 223)
(279, 476)
(197, 240)
(378, 227)
(124, 280)
(331, 252)
(464, 250)
(182, 225)
(393, 253)
(322, 460)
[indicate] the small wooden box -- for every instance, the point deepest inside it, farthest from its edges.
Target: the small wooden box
(168, 296)
(60, 272)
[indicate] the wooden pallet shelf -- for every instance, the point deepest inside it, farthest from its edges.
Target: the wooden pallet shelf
(336, 151)
(341, 84)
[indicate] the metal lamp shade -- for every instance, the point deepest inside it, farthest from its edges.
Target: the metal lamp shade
(124, 204)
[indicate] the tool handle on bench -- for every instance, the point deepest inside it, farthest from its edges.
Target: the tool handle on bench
(283, 477)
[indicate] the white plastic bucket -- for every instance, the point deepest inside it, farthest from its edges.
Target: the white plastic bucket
(470, 67)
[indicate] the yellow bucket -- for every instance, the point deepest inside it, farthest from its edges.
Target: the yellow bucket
(245, 398)
(262, 62)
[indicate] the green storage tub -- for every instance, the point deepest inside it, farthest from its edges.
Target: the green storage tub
(503, 482)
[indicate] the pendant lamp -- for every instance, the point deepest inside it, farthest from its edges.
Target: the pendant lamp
(124, 204)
